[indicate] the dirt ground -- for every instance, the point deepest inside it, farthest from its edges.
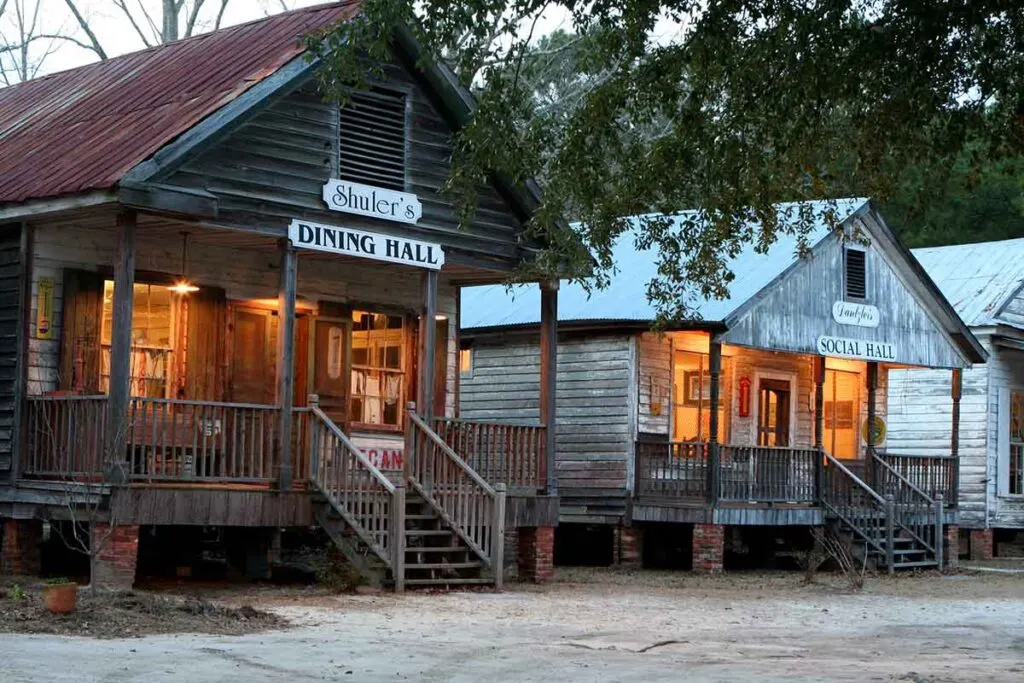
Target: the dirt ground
(587, 626)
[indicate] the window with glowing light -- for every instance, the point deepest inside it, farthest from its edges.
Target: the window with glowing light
(157, 316)
(379, 345)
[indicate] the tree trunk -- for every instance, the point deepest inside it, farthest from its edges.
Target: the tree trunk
(170, 31)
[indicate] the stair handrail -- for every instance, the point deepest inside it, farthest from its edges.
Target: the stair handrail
(895, 473)
(853, 514)
(853, 477)
(357, 494)
(473, 508)
(923, 519)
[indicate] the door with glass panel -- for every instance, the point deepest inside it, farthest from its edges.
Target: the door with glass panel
(773, 428)
(329, 378)
(841, 414)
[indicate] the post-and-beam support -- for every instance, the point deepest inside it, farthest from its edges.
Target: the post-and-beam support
(954, 445)
(427, 345)
(285, 357)
(714, 452)
(819, 423)
(549, 379)
(119, 391)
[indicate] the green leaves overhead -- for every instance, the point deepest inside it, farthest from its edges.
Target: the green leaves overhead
(729, 107)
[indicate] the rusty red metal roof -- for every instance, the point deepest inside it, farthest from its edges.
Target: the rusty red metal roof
(83, 129)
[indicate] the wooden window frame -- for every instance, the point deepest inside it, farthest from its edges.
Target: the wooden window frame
(406, 356)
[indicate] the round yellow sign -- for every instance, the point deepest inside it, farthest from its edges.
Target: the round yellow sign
(877, 432)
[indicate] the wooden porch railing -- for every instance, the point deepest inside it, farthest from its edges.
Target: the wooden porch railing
(505, 453)
(357, 490)
(863, 509)
(65, 436)
(915, 511)
(934, 474)
(473, 508)
(672, 471)
(765, 474)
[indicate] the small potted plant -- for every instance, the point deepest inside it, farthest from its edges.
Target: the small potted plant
(60, 595)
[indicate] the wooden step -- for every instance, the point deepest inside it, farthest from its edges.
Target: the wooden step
(911, 565)
(444, 565)
(436, 549)
(429, 532)
(448, 582)
(424, 518)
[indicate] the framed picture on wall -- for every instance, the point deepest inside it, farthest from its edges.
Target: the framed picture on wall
(697, 388)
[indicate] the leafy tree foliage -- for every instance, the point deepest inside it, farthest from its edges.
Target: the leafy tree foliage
(750, 103)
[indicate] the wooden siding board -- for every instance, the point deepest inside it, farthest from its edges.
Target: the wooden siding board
(10, 305)
(595, 431)
(796, 310)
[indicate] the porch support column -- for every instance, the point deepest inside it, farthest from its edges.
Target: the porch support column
(819, 421)
(285, 357)
(954, 443)
(428, 344)
(714, 456)
(869, 464)
(549, 380)
(119, 391)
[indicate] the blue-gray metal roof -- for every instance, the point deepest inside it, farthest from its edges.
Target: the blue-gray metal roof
(977, 279)
(625, 298)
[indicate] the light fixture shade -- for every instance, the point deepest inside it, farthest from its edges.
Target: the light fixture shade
(183, 287)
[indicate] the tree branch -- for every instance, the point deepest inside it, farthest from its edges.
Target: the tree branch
(193, 15)
(83, 23)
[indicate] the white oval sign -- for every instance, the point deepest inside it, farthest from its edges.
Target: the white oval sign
(861, 315)
(375, 202)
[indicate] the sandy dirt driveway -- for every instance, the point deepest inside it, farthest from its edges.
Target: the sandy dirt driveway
(587, 626)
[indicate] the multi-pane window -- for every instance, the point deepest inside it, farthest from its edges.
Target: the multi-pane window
(1016, 483)
(378, 369)
(156, 320)
(691, 398)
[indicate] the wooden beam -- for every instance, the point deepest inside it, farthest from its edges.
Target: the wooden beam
(954, 445)
(872, 381)
(285, 358)
(714, 455)
(23, 334)
(119, 391)
(428, 342)
(549, 379)
(819, 402)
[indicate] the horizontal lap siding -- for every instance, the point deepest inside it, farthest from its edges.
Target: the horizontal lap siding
(595, 389)
(277, 163)
(1006, 371)
(10, 274)
(655, 383)
(243, 274)
(920, 423)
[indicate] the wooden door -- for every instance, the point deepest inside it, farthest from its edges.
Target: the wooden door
(252, 360)
(329, 375)
(773, 428)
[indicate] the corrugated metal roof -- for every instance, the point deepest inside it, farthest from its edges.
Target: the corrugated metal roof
(977, 279)
(83, 129)
(625, 298)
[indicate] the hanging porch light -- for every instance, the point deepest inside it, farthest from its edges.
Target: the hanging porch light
(184, 285)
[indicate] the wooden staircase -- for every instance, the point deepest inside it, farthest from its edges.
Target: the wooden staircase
(892, 525)
(451, 523)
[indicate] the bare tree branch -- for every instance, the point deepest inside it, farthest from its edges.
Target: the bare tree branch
(83, 23)
(220, 14)
(190, 25)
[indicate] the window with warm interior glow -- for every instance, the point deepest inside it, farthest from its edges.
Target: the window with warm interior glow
(691, 398)
(841, 410)
(156, 319)
(378, 369)
(466, 362)
(1016, 483)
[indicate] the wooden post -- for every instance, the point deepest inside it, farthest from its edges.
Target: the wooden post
(549, 380)
(714, 455)
(939, 536)
(285, 358)
(819, 423)
(498, 536)
(398, 537)
(428, 342)
(954, 444)
(119, 392)
(314, 441)
(890, 533)
(869, 446)
(21, 359)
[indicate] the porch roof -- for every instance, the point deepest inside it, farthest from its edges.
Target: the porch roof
(625, 298)
(84, 129)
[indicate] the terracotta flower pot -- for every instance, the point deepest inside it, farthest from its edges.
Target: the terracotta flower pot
(61, 598)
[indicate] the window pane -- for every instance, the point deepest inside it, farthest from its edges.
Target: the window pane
(155, 315)
(378, 377)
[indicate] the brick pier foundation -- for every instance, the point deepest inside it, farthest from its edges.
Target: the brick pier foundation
(708, 548)
(628, 546)
(21, 550)
(951, 547)
(536, 554)
(981, 544)
(114, 565)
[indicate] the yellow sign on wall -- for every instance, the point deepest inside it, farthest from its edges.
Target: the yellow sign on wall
(44, 309)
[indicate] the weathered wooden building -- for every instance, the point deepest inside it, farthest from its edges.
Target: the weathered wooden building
(984, 283)
(753, 413)
(230, 302)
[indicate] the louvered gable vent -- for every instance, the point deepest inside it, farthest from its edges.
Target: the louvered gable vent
(856, 275)
(373, 132)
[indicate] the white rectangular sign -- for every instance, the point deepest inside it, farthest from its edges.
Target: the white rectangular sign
(362, 244)
(375, 202)
(856, 348)
(861, 315)
(385, 452)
